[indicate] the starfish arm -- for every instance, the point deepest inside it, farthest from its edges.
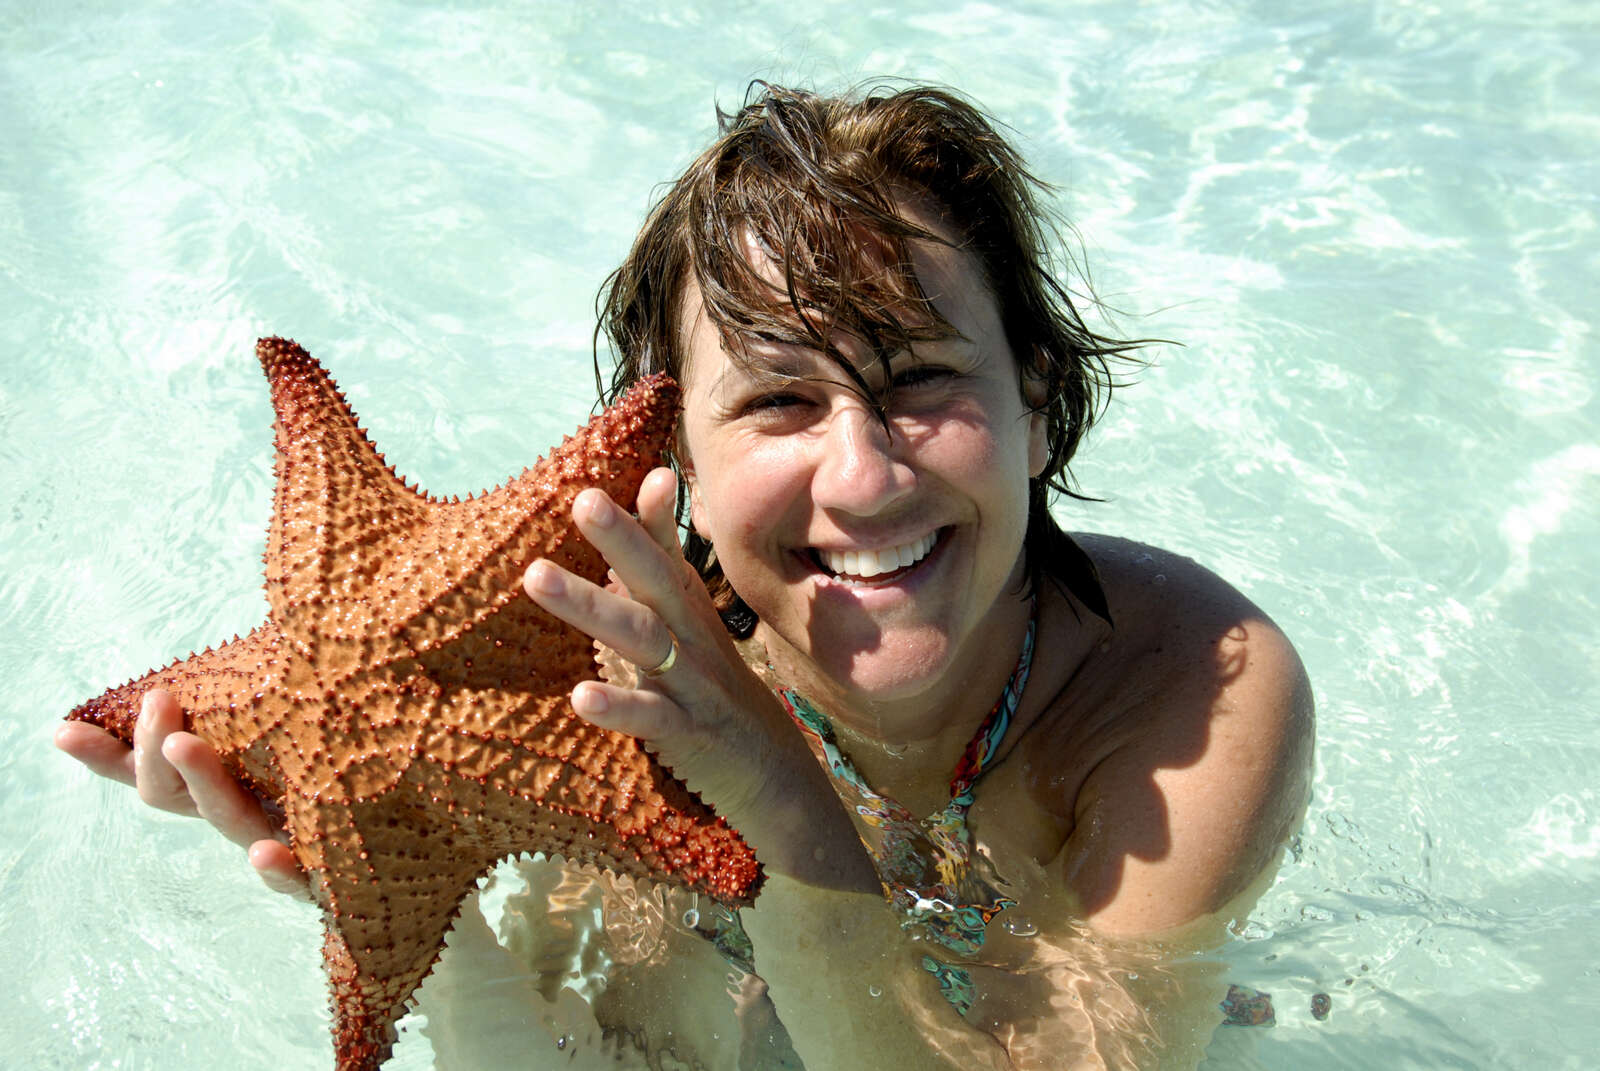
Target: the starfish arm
(220, 691)
(537, 778)
(338, 509)
(356, 557)
(465, 585)
(389, 896)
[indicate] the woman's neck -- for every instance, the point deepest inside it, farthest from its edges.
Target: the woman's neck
(908, 746)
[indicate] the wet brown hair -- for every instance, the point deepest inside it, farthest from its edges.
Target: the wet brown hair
(812, 181)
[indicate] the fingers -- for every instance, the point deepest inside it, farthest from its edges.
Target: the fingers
(646, 715)
(658, 509)
(235, 812)
(653, 612)
(278, 869)
(159, 783)
(644, 554)
(213, 794)
(657, 503)
(630, 628)
(97, 749)
(177, 771)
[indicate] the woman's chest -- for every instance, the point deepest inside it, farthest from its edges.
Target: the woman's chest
(1025, 809)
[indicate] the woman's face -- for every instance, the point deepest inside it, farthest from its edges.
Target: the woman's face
(887, 559)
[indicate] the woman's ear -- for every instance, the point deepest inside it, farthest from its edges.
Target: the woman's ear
(1038, 443)
(1033, 396)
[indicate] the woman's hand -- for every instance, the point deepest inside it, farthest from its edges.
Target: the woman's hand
(176, 771)
(708, 718)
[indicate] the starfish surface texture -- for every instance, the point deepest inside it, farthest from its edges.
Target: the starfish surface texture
(406, 704)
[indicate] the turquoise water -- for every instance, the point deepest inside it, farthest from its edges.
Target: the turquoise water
(1374, 225)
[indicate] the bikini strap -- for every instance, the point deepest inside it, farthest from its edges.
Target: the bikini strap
(985, 743)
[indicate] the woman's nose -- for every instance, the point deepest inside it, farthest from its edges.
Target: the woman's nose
(859, 471)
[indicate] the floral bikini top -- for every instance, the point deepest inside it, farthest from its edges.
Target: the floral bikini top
(925, 864)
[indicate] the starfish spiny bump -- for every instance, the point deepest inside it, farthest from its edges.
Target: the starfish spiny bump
(406, 704)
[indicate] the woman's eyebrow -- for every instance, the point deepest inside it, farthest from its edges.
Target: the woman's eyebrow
(957, 349)
(772, 360)
(765, 362)
(765, 367)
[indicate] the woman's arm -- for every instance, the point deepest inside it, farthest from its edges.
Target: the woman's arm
(848, 983)
(825, 939)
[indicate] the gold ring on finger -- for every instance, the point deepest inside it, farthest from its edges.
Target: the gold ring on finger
(667, 660)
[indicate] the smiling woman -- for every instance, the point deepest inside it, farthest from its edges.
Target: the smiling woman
(883, 383)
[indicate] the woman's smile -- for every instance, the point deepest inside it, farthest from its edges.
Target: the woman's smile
(873, 567)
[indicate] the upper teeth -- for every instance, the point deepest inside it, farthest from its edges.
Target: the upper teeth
(874, 562)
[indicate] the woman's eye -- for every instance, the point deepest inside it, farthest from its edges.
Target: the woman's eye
(922, 375)
(777, 400)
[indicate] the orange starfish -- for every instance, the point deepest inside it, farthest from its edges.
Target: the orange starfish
(406, 705)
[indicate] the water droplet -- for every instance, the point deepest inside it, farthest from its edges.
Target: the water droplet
(1018, 925)
(1161, 578)
(874, 991)
(691, 917)
(561, 1042)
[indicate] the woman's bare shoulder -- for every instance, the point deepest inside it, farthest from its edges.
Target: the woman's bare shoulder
(1163, 602)
(1153, 585)
(1209, 768)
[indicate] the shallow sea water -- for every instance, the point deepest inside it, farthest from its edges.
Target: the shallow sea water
(1373, 226)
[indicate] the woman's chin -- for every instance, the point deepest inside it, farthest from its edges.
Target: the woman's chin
(898, 669)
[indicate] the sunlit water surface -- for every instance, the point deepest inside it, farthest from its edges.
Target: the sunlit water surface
(1373, 225)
